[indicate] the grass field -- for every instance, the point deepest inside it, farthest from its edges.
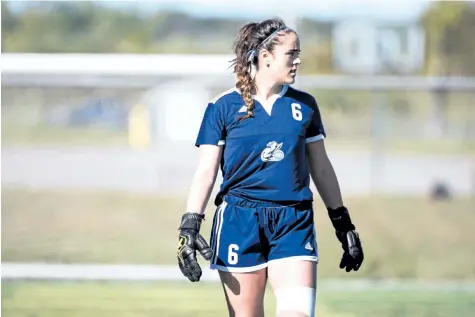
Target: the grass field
(42, 135)
(403, 237)
(92, 299)
(15, 135)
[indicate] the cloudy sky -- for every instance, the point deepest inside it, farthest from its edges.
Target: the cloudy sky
(387, 10)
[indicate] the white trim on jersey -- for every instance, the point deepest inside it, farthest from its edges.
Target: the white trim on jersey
(216, 98)
(221, 142)
(314, 138)
(243, 109)
(269, 103)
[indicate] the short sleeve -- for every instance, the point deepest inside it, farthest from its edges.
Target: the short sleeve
(315, 130)
(212, 129)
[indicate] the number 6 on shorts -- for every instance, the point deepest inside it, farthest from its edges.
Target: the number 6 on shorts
(232, 255)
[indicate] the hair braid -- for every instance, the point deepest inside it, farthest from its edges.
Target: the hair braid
(244, 83)
(246, 86)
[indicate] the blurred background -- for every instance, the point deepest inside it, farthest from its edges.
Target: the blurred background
(101, 105)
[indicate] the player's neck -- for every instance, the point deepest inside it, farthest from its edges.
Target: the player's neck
(266, 88)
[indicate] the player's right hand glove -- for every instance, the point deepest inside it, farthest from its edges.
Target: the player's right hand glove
(189, 241)
(345, 231)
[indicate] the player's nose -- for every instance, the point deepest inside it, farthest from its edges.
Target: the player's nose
(297, 61)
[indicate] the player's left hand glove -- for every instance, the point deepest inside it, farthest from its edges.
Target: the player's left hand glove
(189, 241)
(345, 231)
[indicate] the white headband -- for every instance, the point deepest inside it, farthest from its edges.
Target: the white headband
(252, 53)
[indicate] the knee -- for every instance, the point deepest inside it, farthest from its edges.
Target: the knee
(295, 301)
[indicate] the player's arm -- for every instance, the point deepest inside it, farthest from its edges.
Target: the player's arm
(323, 174)
(210, 141)
(190, 240)
(326, 182)
(210, 138)
(324, 177)
(209, 157)
(320, 168)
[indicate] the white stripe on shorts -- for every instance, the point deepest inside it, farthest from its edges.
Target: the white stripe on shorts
(213, 232)
(218, 229)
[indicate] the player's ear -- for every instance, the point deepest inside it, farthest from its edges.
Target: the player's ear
(263, 53)
(265, 56)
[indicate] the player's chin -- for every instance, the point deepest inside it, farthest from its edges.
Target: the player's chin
(290, 79)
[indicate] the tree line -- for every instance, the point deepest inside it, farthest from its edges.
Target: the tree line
(84, 27)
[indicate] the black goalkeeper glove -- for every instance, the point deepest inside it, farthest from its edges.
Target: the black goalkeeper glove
(189, 241)
(345, 231)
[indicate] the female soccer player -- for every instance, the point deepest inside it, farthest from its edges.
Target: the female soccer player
(268, 139)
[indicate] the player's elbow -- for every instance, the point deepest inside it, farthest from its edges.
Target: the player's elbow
(318, 173)
(206, 174)
(321, 169)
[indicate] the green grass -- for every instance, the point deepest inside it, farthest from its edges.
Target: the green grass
(13, 135)
(403, 237)
(400, 303)
(94, 299)
(43, 135)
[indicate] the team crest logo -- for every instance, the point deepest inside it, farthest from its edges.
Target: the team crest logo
(273, 152)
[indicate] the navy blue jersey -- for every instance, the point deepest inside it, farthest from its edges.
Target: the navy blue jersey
(264, 157)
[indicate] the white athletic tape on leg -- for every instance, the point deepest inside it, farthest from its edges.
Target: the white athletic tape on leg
(296, 299)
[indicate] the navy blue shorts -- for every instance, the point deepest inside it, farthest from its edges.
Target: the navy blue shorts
(247, 235)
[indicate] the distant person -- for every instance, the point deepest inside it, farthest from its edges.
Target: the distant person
(268, 139)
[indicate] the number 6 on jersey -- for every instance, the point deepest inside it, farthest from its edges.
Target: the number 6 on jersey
(232, 255)
(296, 113)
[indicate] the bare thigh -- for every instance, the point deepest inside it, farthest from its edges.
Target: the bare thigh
(291, 272)
(244, 292)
